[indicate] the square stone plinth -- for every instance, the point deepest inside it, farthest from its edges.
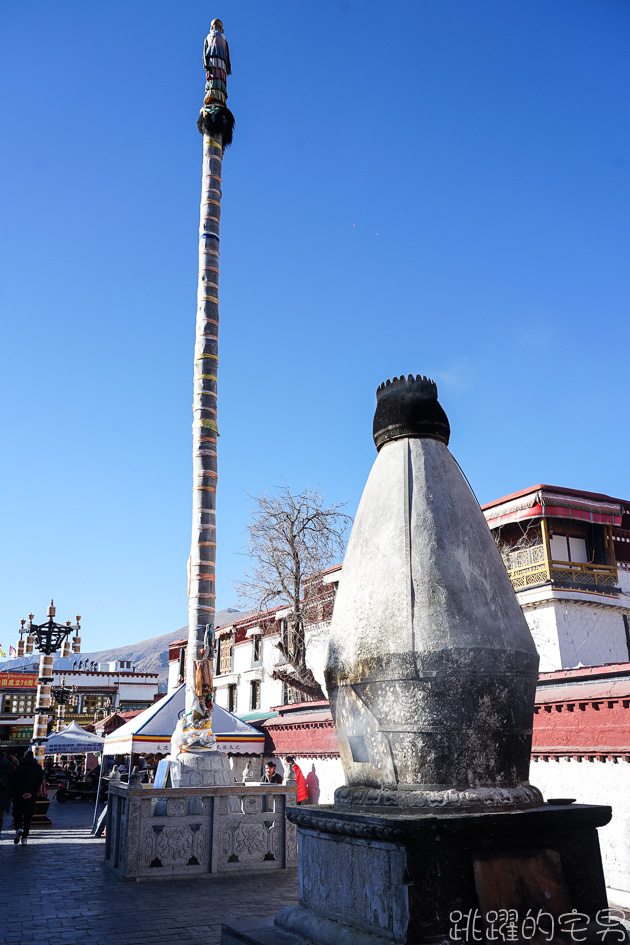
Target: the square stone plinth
(167, 833)
(368, 878)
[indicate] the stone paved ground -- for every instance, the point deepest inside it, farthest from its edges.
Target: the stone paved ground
(56, 890)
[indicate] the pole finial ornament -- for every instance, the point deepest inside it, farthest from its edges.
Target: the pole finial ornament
(215, 118)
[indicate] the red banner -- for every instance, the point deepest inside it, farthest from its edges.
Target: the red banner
(18, 681)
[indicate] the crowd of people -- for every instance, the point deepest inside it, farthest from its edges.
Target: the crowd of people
(146, 765)
(21, 782)
(70, 769)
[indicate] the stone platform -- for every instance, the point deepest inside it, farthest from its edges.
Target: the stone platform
(156, 834)
(369, 878)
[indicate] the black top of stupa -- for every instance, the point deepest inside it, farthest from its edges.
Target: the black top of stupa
(409, 406)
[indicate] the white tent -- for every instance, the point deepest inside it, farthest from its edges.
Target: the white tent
(73, 740)
(151, 731)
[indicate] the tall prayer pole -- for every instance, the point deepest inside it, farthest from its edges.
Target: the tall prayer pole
(215, 123)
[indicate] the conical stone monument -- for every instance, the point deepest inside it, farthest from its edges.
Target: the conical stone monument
(431, 673)
(431, 668)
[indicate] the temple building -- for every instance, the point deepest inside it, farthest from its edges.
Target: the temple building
(247, 655)
(100, 689)
(567, 553)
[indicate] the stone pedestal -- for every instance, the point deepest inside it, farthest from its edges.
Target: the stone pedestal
(205, 769)
(157, 834)
(370, 878)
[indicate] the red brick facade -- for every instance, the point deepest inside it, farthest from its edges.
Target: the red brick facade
(305, 730)
(583, 713)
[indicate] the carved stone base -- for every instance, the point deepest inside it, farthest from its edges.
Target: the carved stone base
(366, 878)
(466, 800)
(205, 769)
(156, 834)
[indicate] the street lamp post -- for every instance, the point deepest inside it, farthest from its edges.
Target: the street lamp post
(63, 696)
(47, 638)
(103, 711)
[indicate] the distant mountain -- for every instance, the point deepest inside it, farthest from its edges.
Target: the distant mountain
(148, 656)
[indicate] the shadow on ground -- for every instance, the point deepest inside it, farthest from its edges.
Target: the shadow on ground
(56, 890)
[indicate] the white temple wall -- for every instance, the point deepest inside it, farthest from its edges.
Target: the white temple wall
(316, 643)
(173, 675)
(541, 619)
(137, 692)
(245, 670)
(568, 633)
(590, 634)
(596, 782)
(623, 570)
(323, 776)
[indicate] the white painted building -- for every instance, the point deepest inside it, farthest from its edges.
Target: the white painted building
(567, 553)
(247, 653)
(96, 689)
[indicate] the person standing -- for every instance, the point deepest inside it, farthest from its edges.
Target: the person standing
(28, 780)
(7, 772)
(302, 792)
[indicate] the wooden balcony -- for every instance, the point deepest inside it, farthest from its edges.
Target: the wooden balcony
(531, 567)
(584, 575)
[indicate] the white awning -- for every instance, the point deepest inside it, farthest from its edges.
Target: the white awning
(151, 730)
(73, 740)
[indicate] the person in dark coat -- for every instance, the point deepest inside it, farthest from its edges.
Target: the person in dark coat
(270, 776)
(7, 772)
(28, 780)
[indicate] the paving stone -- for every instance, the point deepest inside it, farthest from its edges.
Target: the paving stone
(56, 890)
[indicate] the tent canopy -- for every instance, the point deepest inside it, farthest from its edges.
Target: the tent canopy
(73, 740)
(151, 731)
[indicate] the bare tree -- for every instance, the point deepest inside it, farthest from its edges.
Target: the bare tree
(291, 537)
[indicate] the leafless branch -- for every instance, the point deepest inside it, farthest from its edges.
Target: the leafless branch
(289, 538)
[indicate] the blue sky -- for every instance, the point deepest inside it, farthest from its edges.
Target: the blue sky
(432, 187)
